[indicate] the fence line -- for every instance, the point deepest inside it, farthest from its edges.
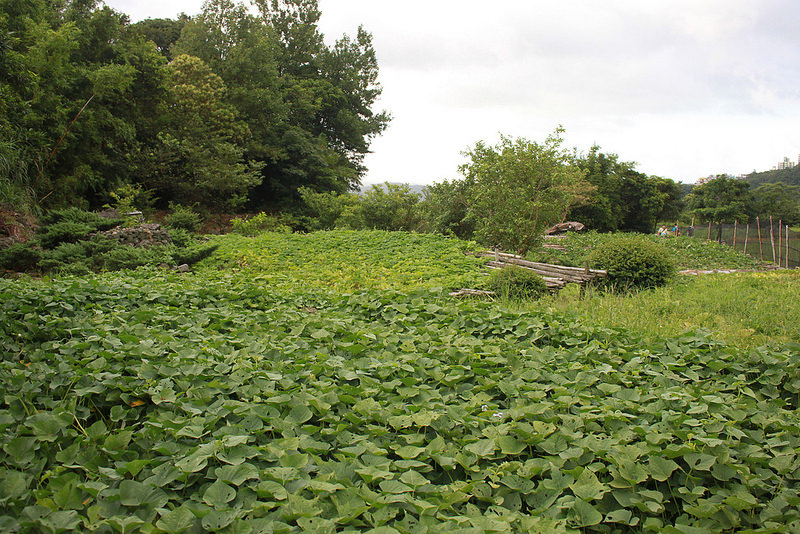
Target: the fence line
(767, 240)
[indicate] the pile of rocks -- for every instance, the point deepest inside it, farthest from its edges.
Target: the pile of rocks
(143, 235)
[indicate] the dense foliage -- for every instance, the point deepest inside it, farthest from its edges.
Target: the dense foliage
(346, 260)
(632, 264)
(515, 283)
(71, 240)
(222, 108)
(623, 198)
(153, 402)
(721, 200)
(518, 188)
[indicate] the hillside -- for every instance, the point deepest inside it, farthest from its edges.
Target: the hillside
(789, 176)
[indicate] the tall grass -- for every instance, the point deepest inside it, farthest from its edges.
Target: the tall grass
(744, 309)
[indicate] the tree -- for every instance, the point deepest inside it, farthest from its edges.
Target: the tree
(778, 200)
(444, 209)
(604, 210)
(308, 106)
(162, 32)
(199, 158)
(518, 188)
(721, 200)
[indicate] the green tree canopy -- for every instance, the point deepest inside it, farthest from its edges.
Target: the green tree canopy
(518, 188)
(721, 200)
(778, 200)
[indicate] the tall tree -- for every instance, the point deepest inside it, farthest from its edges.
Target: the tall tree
(199, 158)
(778, 200)
(721, 200)
(308, 106)
(520, 187)
(604, 209)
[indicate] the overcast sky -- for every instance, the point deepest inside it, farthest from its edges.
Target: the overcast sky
(684, 88)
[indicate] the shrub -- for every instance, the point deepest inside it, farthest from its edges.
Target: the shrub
(20, 257)
(192, 255)
(632, 264)
(260, 223)
(79, 216)
(53, 235)
(184, 217)
(517, 283)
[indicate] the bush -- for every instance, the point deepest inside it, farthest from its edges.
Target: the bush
(192, 255)
(632, 264)
(183, 217)
(20, 257)
(53, 235)
(517, 283)
(79, 216)
(260, 223)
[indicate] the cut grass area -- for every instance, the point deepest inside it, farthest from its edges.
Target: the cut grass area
(743, 309)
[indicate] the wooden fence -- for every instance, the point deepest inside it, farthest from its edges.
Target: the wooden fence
(766, 240)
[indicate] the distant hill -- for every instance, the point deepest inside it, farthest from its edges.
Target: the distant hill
(789, 176)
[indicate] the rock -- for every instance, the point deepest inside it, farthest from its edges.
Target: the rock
(183, 268)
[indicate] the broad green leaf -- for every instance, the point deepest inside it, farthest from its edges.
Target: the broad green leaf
(218, 494)
(15, 484)
(510, 445)
(218, 519)
(661, 468)
(585, 514)
(407, 451)
(394, 486)
(588, 487)
(236, 475)
(481, 448)
(45, 425)
(176, 520)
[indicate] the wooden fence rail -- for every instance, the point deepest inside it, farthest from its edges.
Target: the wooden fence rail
(555, 276)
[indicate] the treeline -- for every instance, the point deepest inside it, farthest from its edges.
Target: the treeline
(225, 110)
(508, 195)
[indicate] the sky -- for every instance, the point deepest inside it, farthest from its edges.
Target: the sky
(685, 89)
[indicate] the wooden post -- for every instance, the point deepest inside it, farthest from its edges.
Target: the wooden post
(735, 227)
(709, 231)
(787, 246)
(772, 238)
(760, 244)
(780, 243)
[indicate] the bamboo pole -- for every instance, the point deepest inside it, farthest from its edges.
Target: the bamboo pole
(760, 243)
(787, 246)
(772, 238)
(746, 235)
(780, 243)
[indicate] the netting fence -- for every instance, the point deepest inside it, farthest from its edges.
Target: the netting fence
(767, 240)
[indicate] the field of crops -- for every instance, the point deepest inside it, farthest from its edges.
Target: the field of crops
(229, 400)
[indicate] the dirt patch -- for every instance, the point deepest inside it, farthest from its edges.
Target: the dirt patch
(15, 227)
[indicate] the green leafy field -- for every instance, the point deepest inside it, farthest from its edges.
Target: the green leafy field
(148, 401)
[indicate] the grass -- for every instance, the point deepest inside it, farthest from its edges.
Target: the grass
(743, 309)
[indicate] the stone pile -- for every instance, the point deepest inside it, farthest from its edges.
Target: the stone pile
(143, 235)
